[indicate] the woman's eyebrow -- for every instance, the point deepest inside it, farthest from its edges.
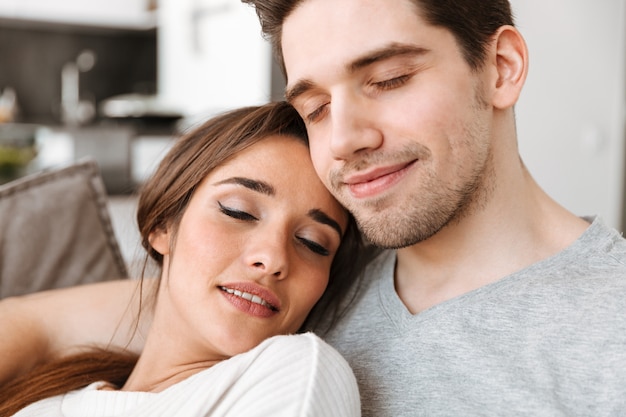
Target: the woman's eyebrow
(254, 185)
(321, 217)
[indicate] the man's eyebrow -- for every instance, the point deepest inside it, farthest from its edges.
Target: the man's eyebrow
(254, 185)
(298, 89)
(381, 54)
(371, 57)
(321, 217)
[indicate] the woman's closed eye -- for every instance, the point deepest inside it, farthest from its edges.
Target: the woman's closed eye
(235, 213)
(309, 244)
(313, 246)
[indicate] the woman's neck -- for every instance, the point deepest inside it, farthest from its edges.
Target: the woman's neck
(149, 376)
(170, 355)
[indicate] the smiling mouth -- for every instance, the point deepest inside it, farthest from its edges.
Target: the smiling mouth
(249, 297)
(376, 182)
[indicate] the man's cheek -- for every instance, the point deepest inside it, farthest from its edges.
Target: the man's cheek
(321, 162)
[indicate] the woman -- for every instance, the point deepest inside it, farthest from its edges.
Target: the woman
(247, 238)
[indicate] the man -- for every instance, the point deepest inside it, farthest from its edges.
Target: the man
(494, 300)
(497, 300)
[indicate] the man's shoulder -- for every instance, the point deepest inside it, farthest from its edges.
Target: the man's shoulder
(599, 254)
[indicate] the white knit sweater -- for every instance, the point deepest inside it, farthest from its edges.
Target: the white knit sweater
(285, 376)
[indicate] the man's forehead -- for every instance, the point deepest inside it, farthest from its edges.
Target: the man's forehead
(341, 32)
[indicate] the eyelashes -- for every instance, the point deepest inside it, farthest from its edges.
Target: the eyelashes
(247, 217)
(375, 87)
(392, 82)
(236, 214)
(314, 246)
(316, 114)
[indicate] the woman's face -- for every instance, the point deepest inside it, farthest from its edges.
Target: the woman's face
(252, 253)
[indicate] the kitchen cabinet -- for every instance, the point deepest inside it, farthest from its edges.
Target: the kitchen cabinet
(124, 14)
(211, 56)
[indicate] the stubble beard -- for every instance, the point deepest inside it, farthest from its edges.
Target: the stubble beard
(421, 215)
(432, 205)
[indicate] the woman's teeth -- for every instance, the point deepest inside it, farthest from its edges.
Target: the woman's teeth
(250, 297)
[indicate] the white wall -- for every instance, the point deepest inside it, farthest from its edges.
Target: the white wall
(571, 113)
(132, 14)
(211, 56)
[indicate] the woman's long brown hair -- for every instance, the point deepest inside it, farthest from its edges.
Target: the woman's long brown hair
(63, 375)
(162, 202)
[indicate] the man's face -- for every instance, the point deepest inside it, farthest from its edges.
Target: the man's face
(399, 126)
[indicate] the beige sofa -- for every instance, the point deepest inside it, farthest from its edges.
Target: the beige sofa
(55, 231)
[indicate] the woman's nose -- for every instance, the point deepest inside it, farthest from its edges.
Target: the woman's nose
(268, 256)
(353, 127)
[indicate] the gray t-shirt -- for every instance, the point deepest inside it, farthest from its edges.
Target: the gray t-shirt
(549, 340)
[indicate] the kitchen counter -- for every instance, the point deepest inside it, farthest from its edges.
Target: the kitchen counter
(125, 157)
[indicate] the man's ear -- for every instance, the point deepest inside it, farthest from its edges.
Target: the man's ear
(160, 241)
(511, 64)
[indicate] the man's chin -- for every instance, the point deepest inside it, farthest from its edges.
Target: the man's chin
(397, 229)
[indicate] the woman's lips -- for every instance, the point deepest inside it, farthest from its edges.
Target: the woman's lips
(251, 299)
(377, 181)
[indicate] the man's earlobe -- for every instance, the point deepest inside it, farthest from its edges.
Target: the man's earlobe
(511, 64)
(160, 241)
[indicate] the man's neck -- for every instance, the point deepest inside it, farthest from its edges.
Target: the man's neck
(509, 235)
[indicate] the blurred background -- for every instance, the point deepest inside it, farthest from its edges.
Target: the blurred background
(118, 79)
(571, 115)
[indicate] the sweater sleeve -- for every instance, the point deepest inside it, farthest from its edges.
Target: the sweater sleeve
(294, 376)
(333, 390)
(285, 376)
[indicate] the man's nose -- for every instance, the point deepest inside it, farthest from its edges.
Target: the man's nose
(354, 127)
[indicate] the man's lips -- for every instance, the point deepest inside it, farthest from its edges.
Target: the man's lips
(375, 181)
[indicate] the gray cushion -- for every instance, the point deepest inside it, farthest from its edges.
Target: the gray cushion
(55, 231)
